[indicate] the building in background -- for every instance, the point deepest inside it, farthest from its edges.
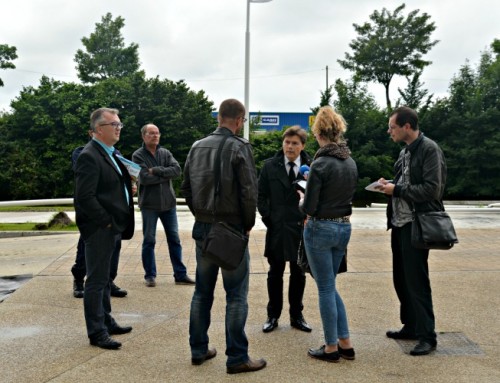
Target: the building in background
(266, 121)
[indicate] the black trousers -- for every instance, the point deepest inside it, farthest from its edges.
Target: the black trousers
(99, 249)
(79, 270)
(275, 288)
(412, 285)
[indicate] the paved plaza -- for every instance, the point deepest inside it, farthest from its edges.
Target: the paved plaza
(43, 339)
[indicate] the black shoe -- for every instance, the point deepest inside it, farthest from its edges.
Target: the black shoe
(105, 342)
(118, 330)
(249, 366)
(78, 289)
(300, 324)
(422, 348)
(209, 355)
(319, 353)
(185, 281)
(117, 292)
(401, 334)
(347, 353)
(270, 324)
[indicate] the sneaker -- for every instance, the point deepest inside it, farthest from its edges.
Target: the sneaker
(78, 289)
(150, 282)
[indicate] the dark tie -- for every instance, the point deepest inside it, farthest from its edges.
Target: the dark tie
(291, 173)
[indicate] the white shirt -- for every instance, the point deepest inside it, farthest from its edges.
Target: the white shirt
(295, 168)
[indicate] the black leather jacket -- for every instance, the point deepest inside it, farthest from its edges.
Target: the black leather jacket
(237, 199)
(427, 177)
(331, 184)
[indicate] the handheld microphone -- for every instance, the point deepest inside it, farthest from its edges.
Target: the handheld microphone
(304, 170)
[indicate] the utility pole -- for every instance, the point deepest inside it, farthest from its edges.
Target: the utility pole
(327, 77)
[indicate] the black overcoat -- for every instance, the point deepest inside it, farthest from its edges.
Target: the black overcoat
(278, 203)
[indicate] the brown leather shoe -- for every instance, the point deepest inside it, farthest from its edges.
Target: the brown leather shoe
(211, 353)
(248, 366)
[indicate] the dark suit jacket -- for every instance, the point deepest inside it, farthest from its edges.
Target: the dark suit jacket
(100, 197)
(278, 204)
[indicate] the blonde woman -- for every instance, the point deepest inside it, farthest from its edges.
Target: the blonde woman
(328, 204)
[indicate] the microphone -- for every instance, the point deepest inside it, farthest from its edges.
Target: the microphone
(304, 170)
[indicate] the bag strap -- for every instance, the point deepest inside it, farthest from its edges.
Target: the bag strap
(217, 167)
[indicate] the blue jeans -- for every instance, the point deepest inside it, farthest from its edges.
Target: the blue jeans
(236, 287)
(169, 221)
(325, 243)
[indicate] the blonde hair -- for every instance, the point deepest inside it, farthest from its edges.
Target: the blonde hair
(329, 124)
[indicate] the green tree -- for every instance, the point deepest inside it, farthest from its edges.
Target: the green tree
(366, 136)
(7, 54)
(465, 124)
(49, 121)
(326, 99)
(414, 96)
(390, 45)
(105, 55)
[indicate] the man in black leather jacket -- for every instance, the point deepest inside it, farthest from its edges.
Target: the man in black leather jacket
(235, 204)
(418, 185)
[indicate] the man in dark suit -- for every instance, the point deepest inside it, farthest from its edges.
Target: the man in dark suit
(104, 213)
(278, 204)
(79, 269)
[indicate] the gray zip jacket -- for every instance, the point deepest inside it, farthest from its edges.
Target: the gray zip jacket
(155, 190)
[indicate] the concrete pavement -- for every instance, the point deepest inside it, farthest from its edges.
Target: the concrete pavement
(43, 339)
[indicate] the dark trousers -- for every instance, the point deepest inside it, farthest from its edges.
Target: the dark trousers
(412, 285)
(79, 269)
(275, 288)
(99, 249)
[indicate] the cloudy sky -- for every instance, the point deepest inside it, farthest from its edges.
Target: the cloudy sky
(203, 42)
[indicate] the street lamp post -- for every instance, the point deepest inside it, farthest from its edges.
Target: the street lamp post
(246, 128)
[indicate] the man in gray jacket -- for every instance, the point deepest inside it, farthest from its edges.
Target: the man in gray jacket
(157, 200)
(235, 204)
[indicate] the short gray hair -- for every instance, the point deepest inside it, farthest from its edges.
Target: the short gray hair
(96, 116)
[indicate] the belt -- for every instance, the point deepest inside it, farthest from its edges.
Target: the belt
(345, 219)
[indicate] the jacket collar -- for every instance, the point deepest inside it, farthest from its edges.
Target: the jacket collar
(413, 146)
(223, 130)
(305, 159)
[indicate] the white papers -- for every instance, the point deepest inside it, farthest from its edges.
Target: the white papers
(375, 186)
(132, 167)
(301, 185)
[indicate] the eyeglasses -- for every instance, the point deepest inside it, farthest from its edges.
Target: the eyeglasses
(153, 134)
(244, 119)
(116, 125)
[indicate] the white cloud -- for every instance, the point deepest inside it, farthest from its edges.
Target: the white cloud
(203, 42)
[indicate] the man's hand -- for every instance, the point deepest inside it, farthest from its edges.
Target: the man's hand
(386, 187)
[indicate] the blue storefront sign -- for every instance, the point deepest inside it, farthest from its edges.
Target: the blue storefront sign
(279, 120)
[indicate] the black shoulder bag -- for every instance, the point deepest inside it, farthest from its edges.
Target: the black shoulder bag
(432, 230)
(224, 245)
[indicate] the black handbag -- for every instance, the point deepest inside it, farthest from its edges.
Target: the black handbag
(303, 262)
(224, 245)
(433, 230)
